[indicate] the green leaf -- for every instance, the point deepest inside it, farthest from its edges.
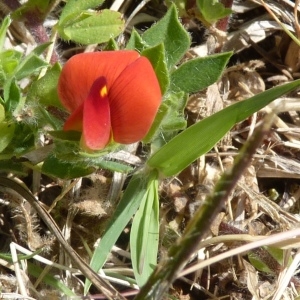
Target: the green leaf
(56, 283)
(74, 8)
(114, 166)
(277, 254)
(55, 167)
(135, 42)
(199, 73)
(212, 10)
(92, 28)
(258, 264)
(7, 133)
(144, 235)
(12, 95)
(38, 50)
(130, 202)
(171, 33)
(2, 113)
(169, 119)
(111, 45)
(3, 29)
(201, 137)
(10, 166)
(9, 62)
(44, 90)
(156, 55)
(23, 139)
(29, 65)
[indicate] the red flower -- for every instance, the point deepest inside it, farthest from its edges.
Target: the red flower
(111, 95)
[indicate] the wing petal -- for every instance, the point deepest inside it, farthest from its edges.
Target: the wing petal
(96, 126)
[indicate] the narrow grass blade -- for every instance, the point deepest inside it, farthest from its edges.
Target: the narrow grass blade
(144, 235)
(201, 137)
(129, 204)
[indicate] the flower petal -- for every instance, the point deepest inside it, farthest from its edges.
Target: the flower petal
(74, 122)
(134, 100)
(96, 117)
(81, 70)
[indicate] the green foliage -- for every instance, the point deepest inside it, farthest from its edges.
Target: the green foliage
(144, 234)
(198, 139)
(134, 194)
(169, 120)
(171, 33)
(73, 8)
(135, 42)
(189, 77)
(7, 134)
(264, 263)
(80, 25)
(3, 29)
(44, 90)
(36, 271)
(156, 55)
(212, 10)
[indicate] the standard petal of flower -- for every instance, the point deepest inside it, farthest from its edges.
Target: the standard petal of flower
(96, 117)
(80, 72)
(134, 100)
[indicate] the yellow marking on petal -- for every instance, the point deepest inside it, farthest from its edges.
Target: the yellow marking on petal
(103, 91)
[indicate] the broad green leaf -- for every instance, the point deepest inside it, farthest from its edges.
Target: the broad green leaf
(130, 202)
(71, 163)
(169, 119)
(171, 33)
(201, 137)
(277, 254)
(10, 166)
(156, 55)
(9, 61)
(258, 264)
(3, 28)
(144, 235)
(135, 42)
(12, 95)
(23, 139)
(55, 167)
(93, 28)
(111, 45)
(212, 10)
(113, 166)
(38, 50)
(73, 8)
(7, 134)
(267, 259)
(44, 90)
(199, 73)
(29, 65)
